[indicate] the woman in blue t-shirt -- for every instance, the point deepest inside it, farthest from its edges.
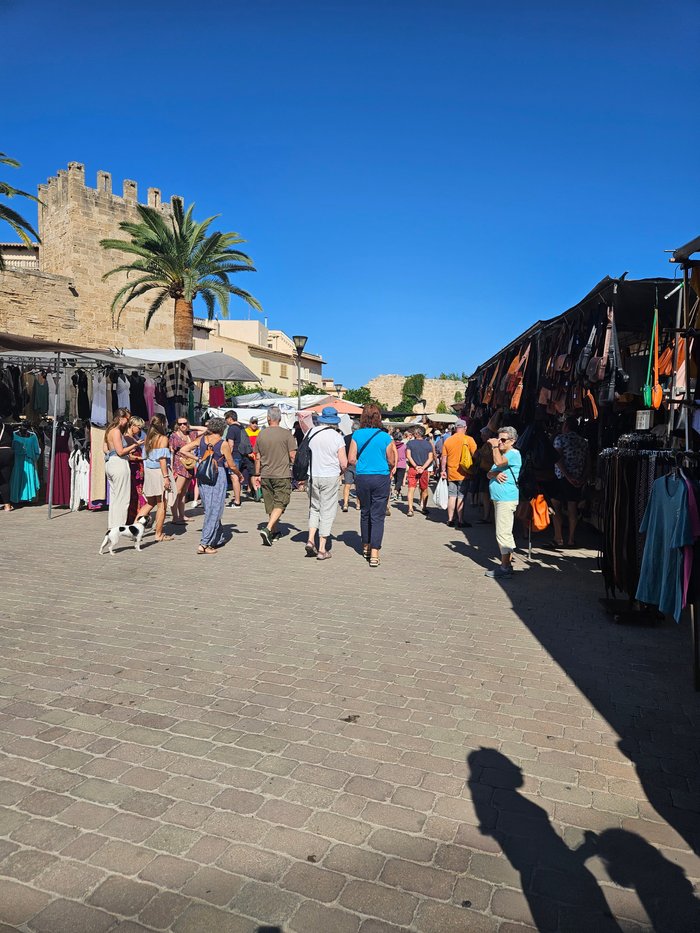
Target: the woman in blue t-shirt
(504, 492)
(373, 454)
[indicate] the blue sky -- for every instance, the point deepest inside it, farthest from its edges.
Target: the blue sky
(417, 180)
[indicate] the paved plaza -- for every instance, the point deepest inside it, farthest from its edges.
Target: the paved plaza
(256, 740)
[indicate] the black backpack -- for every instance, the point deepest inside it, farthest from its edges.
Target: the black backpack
(301, 468)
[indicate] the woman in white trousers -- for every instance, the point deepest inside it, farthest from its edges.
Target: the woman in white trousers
(117, 467)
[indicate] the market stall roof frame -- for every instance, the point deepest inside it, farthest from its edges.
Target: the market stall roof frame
(205, 365)
(33, 346)
(628, 294)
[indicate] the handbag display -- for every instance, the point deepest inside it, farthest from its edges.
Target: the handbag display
(586, 354)
(595, 371)
(652, 394)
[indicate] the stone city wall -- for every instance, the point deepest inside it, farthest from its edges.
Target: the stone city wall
(68, 295)
(388, 389)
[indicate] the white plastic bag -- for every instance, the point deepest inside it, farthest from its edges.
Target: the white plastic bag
(440, 496)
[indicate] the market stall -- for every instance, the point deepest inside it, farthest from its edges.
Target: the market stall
(623, 361)
(48, 384)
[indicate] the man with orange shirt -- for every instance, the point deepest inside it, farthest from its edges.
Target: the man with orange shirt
(451, 456)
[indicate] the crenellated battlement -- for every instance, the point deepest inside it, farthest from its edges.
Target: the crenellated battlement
(68, 186)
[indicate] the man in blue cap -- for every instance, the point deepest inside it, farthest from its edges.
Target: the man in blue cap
(328, 460)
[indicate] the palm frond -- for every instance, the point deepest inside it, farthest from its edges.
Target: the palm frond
(21, 227)
(180, 256)
(18, 223)
(154, 306)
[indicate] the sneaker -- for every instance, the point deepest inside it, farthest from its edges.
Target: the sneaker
(266, 536)
(500, 573)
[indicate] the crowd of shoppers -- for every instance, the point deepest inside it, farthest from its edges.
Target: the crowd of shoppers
(151, 470)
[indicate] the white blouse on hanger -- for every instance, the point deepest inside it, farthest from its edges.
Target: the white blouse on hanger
(123, 388)
(98, 415)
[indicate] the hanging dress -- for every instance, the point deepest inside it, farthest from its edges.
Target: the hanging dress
(24, 484)
(98, 414)
(149, 392)
(40, 395)
(137, 400)
(61, 476)
(57, 393)
(80, 381)
(123, 396)
(7, 459)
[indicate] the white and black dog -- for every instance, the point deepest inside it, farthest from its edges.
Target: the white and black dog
(135, 532)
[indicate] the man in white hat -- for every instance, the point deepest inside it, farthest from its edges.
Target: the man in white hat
(328, 460)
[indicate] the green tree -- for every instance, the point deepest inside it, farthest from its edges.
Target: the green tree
(178, 258)
(237, 388)
(20, 226)
(411, 393)
(361, 396)
(455, 377)
(458, 397)
(308, 388)
(441, 408)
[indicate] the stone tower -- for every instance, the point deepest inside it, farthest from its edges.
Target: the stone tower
(66, 298)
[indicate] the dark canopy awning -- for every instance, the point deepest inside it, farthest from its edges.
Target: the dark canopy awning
(634, 301)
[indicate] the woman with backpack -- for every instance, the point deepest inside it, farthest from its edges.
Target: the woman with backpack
(373, 452)
(214, 454)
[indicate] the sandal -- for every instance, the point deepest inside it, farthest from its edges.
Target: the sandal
(374, 561)
(311, 550)
(409, 514)
(366, 552)
(324, 555)
(206, 550)
(165, 538)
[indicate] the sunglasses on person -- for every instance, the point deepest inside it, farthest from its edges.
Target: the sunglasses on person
(182, 424)
(504, 440)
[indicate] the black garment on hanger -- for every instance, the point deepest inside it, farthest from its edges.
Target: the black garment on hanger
(80, 381)
(137, 398)
(112, 386)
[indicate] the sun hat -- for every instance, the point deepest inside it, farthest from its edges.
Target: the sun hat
(329, 416)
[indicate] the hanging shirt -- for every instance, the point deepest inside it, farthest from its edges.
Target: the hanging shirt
(668, 529)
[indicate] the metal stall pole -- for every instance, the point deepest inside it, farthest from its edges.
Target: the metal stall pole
(686, 325)
(52, 466)
(695, 628)
(672, 402)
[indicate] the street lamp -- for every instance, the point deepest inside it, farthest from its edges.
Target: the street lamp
(299, 344)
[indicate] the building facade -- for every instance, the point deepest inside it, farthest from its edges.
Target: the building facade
(55, 291)
(269, 353)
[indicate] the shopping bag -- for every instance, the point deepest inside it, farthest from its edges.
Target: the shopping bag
(440, 496)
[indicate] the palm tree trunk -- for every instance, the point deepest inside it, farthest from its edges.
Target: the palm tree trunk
(183, 323)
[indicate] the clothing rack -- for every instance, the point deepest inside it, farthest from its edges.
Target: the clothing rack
(673, 460)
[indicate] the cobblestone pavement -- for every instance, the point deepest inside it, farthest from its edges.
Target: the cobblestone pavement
(256, 739)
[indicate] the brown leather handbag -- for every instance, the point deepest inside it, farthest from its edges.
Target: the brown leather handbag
(488, 392)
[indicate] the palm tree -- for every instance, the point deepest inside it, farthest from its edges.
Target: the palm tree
(176, 257)
(21, 226)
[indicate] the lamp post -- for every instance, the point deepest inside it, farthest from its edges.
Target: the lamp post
(299, 344)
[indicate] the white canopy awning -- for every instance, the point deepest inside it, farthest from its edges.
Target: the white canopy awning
(207, 365)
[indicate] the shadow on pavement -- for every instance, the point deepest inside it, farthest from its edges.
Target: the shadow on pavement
(562, 893)
(638, 678)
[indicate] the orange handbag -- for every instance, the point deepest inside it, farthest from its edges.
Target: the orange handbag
(540, 513)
